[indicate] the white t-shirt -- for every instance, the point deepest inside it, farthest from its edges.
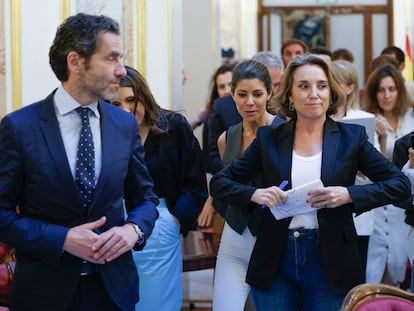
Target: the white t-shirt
(304, 170)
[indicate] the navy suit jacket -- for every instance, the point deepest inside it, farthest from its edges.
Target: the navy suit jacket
(345, 151)
(35, 175)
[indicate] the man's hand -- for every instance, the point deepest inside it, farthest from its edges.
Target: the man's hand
(80, 239)
(113, 243)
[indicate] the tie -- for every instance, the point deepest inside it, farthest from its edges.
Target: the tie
(85, 161)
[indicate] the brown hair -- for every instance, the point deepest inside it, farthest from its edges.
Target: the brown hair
(370, 102)
(280, 102)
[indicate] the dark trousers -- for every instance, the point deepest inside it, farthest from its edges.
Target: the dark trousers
(363, 250)
(91, 295)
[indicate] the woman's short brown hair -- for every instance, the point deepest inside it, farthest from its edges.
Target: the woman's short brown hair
(280, 103)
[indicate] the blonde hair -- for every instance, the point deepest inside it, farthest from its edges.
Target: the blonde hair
(345, 72)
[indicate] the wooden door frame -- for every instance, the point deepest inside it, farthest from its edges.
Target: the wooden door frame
(366, 11)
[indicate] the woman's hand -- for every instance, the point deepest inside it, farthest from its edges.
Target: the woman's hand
(330, 197)
(411, 157)
(381, 126)
(205, 219)
(270, 197)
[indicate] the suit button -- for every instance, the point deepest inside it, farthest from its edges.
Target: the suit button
(296, 234)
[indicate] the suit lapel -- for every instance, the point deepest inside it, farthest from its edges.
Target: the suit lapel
(108, 149)
(331, 140)
(286, 133)
(54, 142)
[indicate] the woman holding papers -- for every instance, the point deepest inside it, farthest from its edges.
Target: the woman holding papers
(251, 88)
(311, 260)
(385, 95)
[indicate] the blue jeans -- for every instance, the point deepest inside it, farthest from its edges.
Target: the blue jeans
(301, 283)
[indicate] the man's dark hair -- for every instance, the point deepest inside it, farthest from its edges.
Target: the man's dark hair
(396, 51)
(79, 33)
(343, 54)
(320, 50)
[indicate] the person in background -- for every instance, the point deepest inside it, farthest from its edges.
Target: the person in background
(73, 243)
(322, 52)
(343, 54)
(377, 62)
(227, 55)
(385, 96)
(311, 260)
(225, 115)
(251, 91)
(382, 60)
(275, 66)
(292, 48)
(399, 56)
(219, 86)
(346, 74)
(173, 157)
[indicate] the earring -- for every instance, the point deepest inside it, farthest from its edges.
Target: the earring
(291, 107)
(330, 102)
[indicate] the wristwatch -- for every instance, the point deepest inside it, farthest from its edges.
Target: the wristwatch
(138, 231)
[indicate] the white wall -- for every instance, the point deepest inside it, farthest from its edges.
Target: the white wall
(199, 53)
(38, 28)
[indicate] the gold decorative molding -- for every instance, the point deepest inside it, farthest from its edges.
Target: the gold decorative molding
(170, 33)
(64, 9)
(142, 38)
(3, 86)
(128, 32)
(16, 55)
(243, 28)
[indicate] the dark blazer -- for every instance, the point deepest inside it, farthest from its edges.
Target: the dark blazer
(346, 151)
(399, 158)
(225, 115)
(235, 217)
(400, 153)
(35, 175)
(183, 179)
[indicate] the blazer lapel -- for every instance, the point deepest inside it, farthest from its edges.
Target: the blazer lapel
(54, 142)
(286, 133)
(331, 140)
(108, 149)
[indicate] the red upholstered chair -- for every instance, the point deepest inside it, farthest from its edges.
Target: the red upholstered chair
(375, 296)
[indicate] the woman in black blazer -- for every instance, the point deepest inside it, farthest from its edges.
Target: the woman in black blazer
(308, 261)
(173, 157)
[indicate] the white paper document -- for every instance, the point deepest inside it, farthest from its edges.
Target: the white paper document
(296, 202)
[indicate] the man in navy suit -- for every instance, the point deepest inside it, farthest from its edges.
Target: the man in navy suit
(73, 255)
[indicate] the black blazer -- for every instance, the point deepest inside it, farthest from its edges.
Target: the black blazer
(346, 151)
(35, 174)
(183, 180)
(399, 158)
